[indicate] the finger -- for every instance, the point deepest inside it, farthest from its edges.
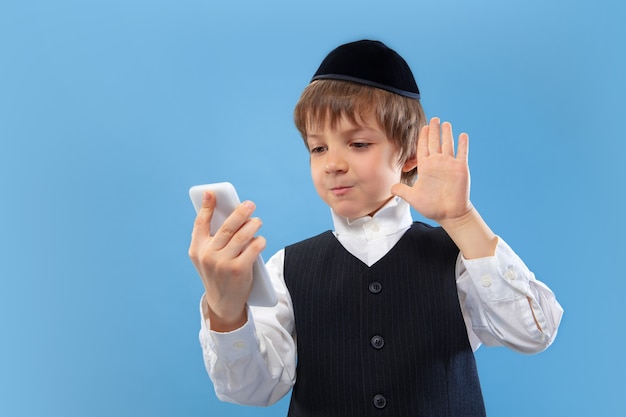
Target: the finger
(252, 250)
(232, 224)
(202, 224)
(447, 139)
(241, 240)
(434, 136)
(462, 152)
(422, 144)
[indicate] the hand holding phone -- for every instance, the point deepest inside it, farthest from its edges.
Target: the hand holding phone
(262, 292)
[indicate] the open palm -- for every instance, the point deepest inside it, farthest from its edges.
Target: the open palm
(441, 191)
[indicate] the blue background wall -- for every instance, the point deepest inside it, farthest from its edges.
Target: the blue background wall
(111, 110)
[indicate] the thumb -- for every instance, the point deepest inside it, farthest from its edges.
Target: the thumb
(401, 190)
(202, 225)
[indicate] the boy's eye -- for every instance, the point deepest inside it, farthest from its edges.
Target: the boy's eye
(317, 149)
(360, 145)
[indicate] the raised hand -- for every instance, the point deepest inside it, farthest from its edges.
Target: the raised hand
(441, 191)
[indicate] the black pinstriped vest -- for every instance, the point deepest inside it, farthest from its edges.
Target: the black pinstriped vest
(385, 340)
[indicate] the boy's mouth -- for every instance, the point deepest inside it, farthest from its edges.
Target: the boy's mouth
(340, 190)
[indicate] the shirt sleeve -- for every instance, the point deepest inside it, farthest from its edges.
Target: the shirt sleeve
(504, 304)
(255, 364)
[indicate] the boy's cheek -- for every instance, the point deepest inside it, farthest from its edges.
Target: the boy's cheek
(316, 168)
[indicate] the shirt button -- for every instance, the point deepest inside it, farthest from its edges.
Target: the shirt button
(374, 227)
(379, 401)
(510, 274)
(375, 287)
(486, 281)
(377, 342)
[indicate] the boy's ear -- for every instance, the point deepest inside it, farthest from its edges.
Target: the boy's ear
(410, 163)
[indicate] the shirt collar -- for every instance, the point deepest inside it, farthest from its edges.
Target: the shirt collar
(393, 217)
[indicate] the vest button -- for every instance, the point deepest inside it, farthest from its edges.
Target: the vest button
(379, 401)
(375, 287)
(377, 342)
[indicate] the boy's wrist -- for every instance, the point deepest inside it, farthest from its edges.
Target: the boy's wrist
(471, 234)
(225, 322)
(224, 326)
(452, 225)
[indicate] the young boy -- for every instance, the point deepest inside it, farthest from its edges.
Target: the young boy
(381, 316)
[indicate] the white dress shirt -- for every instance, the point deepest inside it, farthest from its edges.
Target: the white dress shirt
(502, 304)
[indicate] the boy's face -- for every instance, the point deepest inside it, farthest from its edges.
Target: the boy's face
(354, 166)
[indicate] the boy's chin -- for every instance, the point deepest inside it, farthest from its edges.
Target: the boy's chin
(351, 213)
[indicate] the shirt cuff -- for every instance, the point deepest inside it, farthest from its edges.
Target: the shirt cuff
(229, 346)
(499, 277)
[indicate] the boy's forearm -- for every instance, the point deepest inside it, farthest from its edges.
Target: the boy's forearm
(472, 235)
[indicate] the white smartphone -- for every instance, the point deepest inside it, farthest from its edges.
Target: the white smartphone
(227, 200)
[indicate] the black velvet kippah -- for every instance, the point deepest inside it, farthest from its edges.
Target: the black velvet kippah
(371, 63)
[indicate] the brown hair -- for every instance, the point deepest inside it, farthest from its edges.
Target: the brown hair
(327, 101)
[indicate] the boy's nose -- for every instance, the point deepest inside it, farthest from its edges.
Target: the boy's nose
(335, 163)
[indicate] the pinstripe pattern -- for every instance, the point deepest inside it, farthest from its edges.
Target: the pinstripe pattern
(425, 367)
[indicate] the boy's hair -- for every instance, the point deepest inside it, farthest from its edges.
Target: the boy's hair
(327, 101)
